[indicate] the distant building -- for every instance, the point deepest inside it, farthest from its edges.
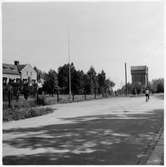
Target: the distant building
(139, 75)
(17, 71)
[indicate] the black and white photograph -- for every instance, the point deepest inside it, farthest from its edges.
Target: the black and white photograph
(83, 82)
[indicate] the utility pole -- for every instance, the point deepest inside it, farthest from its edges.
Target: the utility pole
(125, 79)
(69, 65)
(37, 93)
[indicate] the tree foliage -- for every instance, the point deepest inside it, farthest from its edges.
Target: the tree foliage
(157, 85)
(102, 82)
(93, 79)
(51, 82)
(81, 82)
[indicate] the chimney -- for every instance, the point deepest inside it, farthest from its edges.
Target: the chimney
(16, 63)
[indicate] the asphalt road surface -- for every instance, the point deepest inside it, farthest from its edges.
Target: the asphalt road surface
(111, 131)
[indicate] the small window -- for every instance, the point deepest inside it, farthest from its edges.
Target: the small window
(24, 80)
(27, 72)
(4, 80)
(12, 68)
(4, 67)
(18, 80)
(31, 73)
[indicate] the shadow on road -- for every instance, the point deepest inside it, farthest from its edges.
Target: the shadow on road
(99, 139)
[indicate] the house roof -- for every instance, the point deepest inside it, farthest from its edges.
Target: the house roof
(139, 67)
(10, 69)
(20, 67)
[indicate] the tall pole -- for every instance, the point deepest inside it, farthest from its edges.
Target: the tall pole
(69, 65)
(125, 79)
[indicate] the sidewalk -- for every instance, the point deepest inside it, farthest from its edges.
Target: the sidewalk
(157, 155)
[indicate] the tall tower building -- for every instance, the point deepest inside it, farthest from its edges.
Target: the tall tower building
(140, 75)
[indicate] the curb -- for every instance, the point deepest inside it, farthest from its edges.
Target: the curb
(150, 151)
(157, 155)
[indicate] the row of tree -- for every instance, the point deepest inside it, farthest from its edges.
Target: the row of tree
(81, 82)
(155, 86)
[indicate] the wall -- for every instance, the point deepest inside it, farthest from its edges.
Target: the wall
(27, 72)
(11, 76)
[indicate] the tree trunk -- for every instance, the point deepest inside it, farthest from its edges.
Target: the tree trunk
(9, 99)
(37, 97)
(57, 97)
(95, 94)
(84, 96)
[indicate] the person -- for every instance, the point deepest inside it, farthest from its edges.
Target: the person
(9, 93)
(26, 90)
(147, 94)
(17, 93)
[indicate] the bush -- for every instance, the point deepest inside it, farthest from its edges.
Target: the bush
(23, 113)
(42, 100)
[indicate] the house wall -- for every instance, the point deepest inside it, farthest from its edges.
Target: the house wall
(11, 76)
(136, 78)
(28, 72)
(140, 76)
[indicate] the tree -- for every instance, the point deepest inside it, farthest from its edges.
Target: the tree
(108, 86)
(93, 80)
(157, 85)
(101, 82)
(40, 74)
(81, 82)
(75, 81)
(51, 82)
(130, 88)
(86, 85)
(63, 75)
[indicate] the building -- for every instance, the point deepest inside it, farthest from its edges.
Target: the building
(139, 75)
(17, 71)
(27, 72)
(10, 71)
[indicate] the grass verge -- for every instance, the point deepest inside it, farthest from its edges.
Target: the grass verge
(24, 113)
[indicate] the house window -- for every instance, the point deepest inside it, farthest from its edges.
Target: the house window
(18, 80)
(27, 72)
(31, 73)
(25, 80)
(4, 80)
(33, 81)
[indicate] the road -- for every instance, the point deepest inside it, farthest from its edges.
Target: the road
(119, 130)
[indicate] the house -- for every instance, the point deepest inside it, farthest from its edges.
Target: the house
(25, 72)
(10, 71)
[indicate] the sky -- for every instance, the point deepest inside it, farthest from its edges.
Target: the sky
(104, 35)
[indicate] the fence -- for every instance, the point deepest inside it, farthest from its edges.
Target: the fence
(24, 95)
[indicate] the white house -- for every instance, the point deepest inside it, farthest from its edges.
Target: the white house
(27, 72)
(18, 71)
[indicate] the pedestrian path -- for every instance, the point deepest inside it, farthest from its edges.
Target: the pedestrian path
(87, 108)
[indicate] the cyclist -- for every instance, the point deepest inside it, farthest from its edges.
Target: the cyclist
(147, 94)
